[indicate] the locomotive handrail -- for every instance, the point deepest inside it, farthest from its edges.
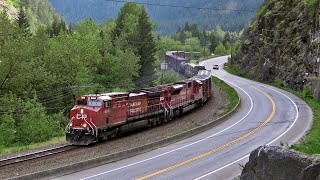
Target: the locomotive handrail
(95, 127)
(68, 126)
(90, 126)
(170, 108)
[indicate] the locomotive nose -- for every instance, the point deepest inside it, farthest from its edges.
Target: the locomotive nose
(80, 118)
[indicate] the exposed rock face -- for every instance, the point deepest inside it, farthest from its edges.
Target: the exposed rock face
(10, 10)
(272, 162)
(282, 42)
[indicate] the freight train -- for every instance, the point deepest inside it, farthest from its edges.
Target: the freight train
(177, 60)
(97, 117)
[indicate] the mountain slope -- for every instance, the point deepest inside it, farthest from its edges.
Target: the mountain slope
(9, 7)
(39, 12)
(281, 44)
(167, 18)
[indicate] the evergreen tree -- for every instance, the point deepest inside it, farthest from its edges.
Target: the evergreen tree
(57, 27)
(55, 30)
(22, 21)
(220, 50)
(147, 46)
(216, 38)
(203, 38)
(195, 31)
(63, 26)
(187, 27)
(71, 28)
(126, 23)
(182, 37)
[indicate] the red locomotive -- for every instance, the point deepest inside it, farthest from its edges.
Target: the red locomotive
(101, 116)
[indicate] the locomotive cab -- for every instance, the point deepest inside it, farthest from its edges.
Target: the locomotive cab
(82, 128)
(94, 117)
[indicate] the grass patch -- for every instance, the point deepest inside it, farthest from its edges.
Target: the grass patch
(236, 71)
(194, 61)
(234, 98)
(14, 3)
(311, 143)
(31, 146)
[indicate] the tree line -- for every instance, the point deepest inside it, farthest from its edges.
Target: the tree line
(203, 43)
(168, 18)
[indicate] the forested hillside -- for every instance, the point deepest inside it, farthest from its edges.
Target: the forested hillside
(39, 12)
(167, 18)
(10, 7)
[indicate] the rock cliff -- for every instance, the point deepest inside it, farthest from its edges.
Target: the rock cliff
(282, 44)
(272, 162)
(12, 11)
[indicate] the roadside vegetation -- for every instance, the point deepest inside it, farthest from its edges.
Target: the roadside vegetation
(310, 144)
(232, 94)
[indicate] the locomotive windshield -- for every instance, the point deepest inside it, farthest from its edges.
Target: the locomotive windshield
(94, 103)
(82, 102)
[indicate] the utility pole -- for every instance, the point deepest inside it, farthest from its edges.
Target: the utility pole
(232, 42)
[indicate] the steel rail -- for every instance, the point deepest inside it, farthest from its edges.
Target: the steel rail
(36, 155)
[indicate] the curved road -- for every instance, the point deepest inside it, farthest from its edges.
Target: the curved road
(267, 116)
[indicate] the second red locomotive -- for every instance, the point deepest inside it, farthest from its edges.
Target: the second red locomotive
(101, 116)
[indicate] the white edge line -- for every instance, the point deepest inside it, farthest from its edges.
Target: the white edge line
(129, 165)
(297, 115)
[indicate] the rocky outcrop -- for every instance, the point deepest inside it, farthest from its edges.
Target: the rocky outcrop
(12, 11)
(272, 162)
(282, 43)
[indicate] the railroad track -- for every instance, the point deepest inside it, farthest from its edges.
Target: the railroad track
(36, 155)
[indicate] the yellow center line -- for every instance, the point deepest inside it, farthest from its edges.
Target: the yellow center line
(221, 147)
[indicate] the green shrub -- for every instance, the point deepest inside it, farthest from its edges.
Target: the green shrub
(8, 130)
(220, 50)
(278, 83)
(307, 92)
(166, 79)
(25, 121)
(312, 6)
(310, 3)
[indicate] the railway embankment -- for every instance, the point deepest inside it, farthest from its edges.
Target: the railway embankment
(272, 162)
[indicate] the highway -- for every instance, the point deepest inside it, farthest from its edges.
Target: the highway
(267, 116)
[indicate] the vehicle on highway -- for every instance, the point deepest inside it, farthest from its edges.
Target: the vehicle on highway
(215, 67)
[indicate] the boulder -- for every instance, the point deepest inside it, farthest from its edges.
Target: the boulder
(272, 162)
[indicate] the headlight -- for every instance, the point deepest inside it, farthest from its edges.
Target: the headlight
(70, 124)
(84, 125)
(81, 111)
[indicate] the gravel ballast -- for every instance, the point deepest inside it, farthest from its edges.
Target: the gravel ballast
(216, 105)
